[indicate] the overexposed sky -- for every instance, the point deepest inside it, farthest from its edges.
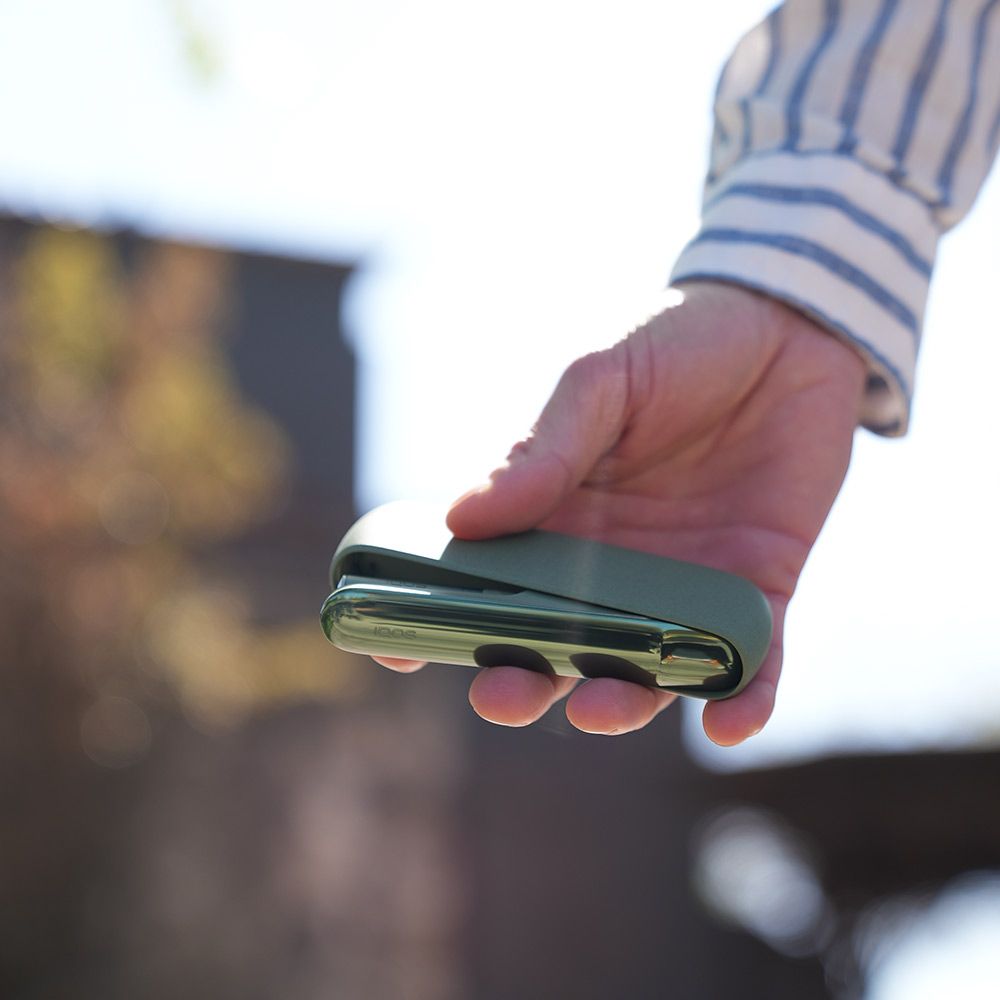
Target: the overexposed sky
(516, 180)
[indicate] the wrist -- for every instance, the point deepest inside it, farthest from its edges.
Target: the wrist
(841, 363)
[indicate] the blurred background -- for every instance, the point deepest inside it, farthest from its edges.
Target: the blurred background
(253, 258)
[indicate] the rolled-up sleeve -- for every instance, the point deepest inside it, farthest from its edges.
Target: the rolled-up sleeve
(849, 136)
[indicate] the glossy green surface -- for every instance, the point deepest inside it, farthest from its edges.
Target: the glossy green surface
(527, 629)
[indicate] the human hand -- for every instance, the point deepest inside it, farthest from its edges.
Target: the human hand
(718, 432)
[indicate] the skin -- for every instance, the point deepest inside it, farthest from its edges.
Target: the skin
(719, 431)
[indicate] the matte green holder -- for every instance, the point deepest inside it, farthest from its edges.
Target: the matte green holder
(404, 586)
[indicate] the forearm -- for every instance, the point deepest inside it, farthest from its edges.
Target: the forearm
(847, 140)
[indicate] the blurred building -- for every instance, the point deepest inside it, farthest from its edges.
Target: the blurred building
(201, 797)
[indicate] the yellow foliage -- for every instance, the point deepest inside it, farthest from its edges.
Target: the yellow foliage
(71, 306)
(225, 668)
(125, 442)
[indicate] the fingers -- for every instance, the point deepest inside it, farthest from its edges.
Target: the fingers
(581, 422)
(400, 665)
(510, 696)
(507, 696)
(612, 707)
(737, 719)
(734, 720)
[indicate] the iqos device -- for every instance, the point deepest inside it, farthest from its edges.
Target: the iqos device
(404, 587)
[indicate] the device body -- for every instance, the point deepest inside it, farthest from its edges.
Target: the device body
(403, 586)
(487, 628)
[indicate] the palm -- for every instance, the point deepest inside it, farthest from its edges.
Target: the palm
(719, 433)
(735, 466)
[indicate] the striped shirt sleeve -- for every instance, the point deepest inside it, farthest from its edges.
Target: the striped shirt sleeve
(849, 136)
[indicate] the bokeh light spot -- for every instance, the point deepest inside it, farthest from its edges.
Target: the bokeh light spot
(755, 872)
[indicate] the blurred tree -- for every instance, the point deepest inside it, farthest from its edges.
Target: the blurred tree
(125, 446)
(182, 807)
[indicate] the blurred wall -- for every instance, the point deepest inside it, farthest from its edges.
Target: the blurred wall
(199, 795)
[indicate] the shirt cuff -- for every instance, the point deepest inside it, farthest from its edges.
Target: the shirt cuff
(839, 241)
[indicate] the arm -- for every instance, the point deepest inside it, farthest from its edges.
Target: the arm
(848, 139)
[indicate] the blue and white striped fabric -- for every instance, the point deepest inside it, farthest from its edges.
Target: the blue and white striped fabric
(849, 136)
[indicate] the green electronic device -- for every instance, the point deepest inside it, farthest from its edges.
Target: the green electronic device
(403, 586)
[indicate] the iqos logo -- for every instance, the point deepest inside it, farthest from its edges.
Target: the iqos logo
(393, 632)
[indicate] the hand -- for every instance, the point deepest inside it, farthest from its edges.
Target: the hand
(718, 432)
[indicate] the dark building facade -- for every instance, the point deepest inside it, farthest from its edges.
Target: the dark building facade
(201, 797)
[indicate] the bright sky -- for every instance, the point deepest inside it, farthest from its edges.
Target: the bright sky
(517, 179)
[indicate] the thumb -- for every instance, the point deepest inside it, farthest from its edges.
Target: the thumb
(581, 422)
